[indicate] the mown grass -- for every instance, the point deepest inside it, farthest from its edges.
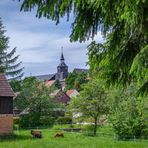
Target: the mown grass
(23, 139)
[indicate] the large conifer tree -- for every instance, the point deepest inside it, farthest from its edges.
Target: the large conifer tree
(125, 25)
(8, 60)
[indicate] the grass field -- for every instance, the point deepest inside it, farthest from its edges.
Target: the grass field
(23, 139)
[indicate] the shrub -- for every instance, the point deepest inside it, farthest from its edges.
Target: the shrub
(128, 127)
(24, 121)
(47, 121)
(129, 115)
(64, 120)
(30, 120)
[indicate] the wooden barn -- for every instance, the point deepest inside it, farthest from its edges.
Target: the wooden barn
(6, 106)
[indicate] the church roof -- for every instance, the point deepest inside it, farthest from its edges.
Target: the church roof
(62, 63)
(50, 82)
(45, 77)
(77, 70)
(5, 88)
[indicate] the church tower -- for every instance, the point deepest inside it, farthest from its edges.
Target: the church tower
(62, 69)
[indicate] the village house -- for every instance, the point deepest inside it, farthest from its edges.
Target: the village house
(61, 97)
(72, 93)
(6, 106)
(49, 79)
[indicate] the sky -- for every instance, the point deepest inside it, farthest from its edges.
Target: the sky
(39, 41)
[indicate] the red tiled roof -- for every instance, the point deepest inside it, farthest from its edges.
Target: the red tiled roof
(5, 88)
(50, 83)
(69, 92)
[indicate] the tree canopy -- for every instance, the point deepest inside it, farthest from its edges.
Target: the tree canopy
(123, 23)
(34, 95)
(75, 80)
(89, 15)
(92, 102)
(8, 60)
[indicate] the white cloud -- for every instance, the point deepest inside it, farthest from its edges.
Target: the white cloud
(39, 41)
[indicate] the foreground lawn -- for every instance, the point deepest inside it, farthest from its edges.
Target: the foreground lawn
(23, 139)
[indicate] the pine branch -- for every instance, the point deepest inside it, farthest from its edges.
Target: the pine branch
(9, 67)
(9, 55)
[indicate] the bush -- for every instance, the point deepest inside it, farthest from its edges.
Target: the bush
(24, 121)
(129, 115)
(30, 120)
(64, 120)
(34, 120)
(47, 121)
(129, 128)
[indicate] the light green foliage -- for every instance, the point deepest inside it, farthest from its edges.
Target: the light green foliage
(139, 69)
(129, 114)
(75, 81)
(8, 60)
(34, 99)
(28, 86)
(92, 101)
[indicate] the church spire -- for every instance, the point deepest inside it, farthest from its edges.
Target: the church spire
(62, 68)
(62, 56)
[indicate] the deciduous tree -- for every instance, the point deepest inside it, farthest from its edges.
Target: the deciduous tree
(92, 102)
(76, 80)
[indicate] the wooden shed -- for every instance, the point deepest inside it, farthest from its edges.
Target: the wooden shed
(6, 106)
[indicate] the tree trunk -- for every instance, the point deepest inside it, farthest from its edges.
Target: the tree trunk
(95, 126)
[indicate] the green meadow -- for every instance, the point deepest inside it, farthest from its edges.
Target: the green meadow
(23, 139)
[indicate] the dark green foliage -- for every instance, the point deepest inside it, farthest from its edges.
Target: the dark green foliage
(75, 81)
(47, 121)
(8, 60)
(120, 66)
(15, 85)
(64, 120)
(89, 16)
(129, 114)
(30, 120)
(34, 120)
(24, 121)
